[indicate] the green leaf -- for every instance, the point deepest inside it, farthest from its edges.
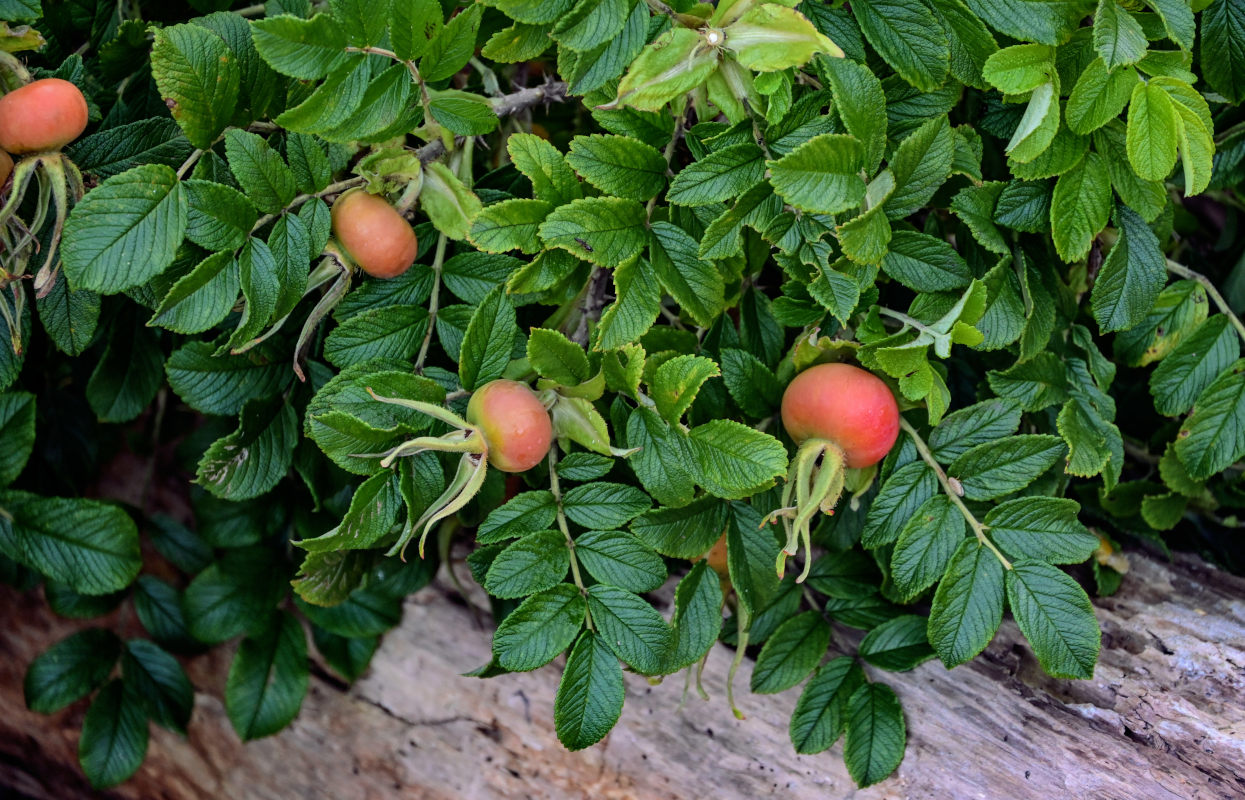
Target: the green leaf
(232, 596)
(721, 175)
(387, 332)
(70, 669)
(619, 165)
(674, 64)
(630, 627)
(684, 532)
(412, 25)
(348, 657)
(875, 734)
(697, 616)
(583, 466)
(1153, 132)
(909, 37)
(489, 340)
(971, 42)
(1181, 307)
(17, 434)
(306, 49)
(268, 679)
(620, 559)
(861, 104)
(90, 545)
(769, 37)
(250, 461)
(1020, 68)
(898, 644)
(462, 113)
(263, 175)
(128, 375)
(677, 382)
(1118, 36)
(525, 513)
(202, 298)
(542, 626)
(1025, 206)
(222, 385)
(1099, 96)
(551, 177)
(635, 309)
(70, 317)
(607, 231)
(921, 164)
(510, 225)
(114, 737)
(1054, 614)
(557, 358)
(373, 511)
(968, 606)
(1041, 528)
(1177, 19)
(1038, 127)
(906, 490)
(791, 653)
(1221, 56)
(820, 714)
(695, 284)
(734, 461)
(218, 217)
(158, 683)
(821, 175)
(925, 263)
(926, 545)
(974, 205)
(453, 47)
(998, 468)
(1132, 275)
(1213, 436)
(449, 204)
(125, 231)
(752, 385)
(590, 695)
(532, 564)
(591, 23)
(1193, 365)
(977, 424)
(198, 76)
(1080, 207)
(604, 506)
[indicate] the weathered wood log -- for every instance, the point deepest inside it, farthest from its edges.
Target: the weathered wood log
(1164, 717)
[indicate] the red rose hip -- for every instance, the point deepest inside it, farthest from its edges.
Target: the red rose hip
(374, 234)
(515, 425)
(44, 115)
(846, 405)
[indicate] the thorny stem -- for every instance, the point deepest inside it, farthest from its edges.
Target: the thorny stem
(1211, 291)
(978, 529)
(556, 490)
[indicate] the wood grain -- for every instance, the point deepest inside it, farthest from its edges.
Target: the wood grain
(1163, 717)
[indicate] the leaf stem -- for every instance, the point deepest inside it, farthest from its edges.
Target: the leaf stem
(556, 490)
(906, 320)
(332, 188)
(978, 529)
(1211, 291)
(189, 162)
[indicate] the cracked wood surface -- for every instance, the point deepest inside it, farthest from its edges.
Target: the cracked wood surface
(1163, 717)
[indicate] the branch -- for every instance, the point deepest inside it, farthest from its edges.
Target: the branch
(1211, 291)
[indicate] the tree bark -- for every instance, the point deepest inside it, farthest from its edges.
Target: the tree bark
(1163, 717)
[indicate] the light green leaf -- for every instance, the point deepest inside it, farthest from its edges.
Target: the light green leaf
(1118, 36)
(542, 626)
(197, 73)
(1132, 275)
(734, 461)
(1080, 207)
(619, 165)
(1153, 132)
(1099, 95)
(721, 175)
(821, 175)
(1193, 365)
(608, 231)
(1007, 465)
(909, 37)
(1020, 68)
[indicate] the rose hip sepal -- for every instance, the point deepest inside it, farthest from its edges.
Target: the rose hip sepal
(506, 426)
(843, 418)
